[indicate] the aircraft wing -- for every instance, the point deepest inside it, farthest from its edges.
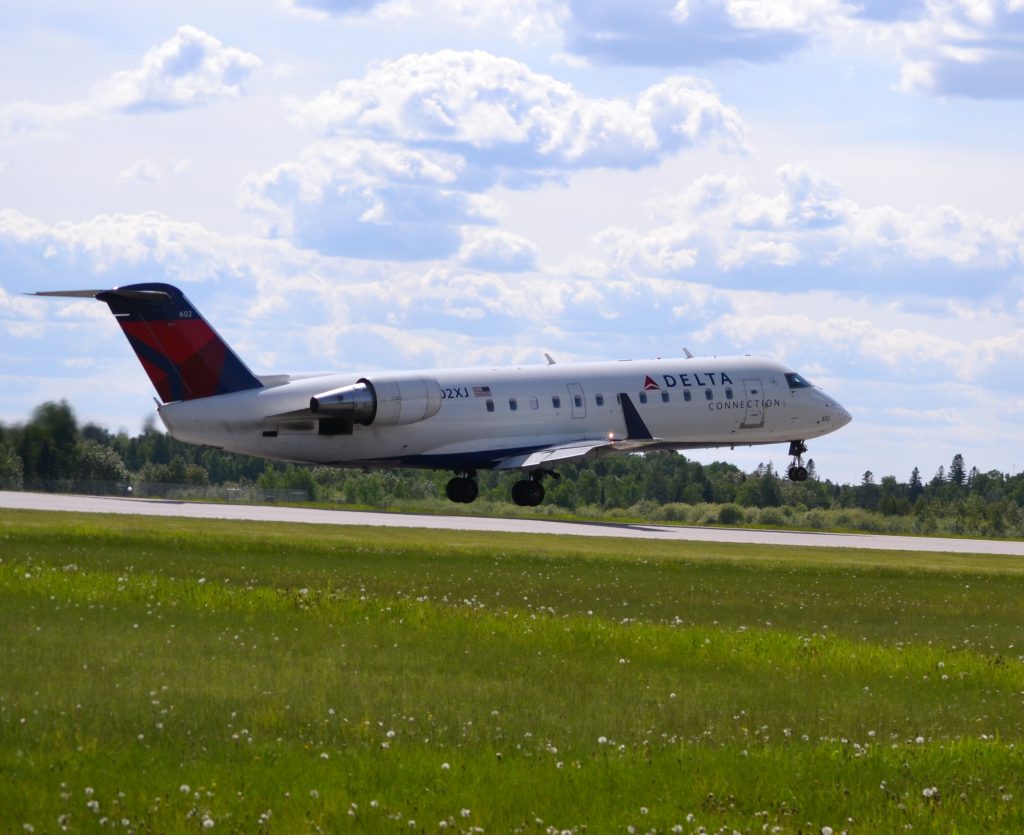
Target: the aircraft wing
(573, 451)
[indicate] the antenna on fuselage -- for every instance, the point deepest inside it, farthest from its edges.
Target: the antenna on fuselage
(686, 351)
(549, 359)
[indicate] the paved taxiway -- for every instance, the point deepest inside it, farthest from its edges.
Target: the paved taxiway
(195, 510)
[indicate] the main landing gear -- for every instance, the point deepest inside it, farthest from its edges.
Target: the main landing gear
(529, 492)
(797, 470)
(463, 488)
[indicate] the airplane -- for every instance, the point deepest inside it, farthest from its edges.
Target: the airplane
(530, 418)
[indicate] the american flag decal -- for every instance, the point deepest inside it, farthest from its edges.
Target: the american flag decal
(481, 391)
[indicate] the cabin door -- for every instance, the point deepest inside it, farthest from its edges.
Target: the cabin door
(753, 418)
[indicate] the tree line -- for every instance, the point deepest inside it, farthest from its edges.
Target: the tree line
(52, 451)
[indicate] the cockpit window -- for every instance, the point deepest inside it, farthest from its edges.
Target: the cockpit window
(797, 382)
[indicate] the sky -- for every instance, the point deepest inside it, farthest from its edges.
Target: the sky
(360, 185)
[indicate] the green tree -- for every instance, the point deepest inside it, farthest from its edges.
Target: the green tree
(916, 487)
(957, 471)
(95, 462)
(11, 470)
(47, 444)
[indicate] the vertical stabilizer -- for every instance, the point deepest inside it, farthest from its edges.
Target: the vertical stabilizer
(183, 355)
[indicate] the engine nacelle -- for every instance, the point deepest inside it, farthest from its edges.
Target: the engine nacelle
(383, 401)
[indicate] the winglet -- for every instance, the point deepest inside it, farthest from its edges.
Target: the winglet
(636, 429)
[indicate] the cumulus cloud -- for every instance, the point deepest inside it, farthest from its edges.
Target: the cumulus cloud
(411, 149)
(190, 69)
(932, 351)
(145, 171)
(497, 251)
(499, 109)
(524, 20)
(944, 47)
(368, 199)
(675, 33)
(966, 49)
(493, 311)
(722, 223)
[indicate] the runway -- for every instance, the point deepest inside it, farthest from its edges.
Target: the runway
(309, 516)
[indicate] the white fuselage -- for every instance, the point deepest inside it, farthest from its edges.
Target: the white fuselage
(486, 416)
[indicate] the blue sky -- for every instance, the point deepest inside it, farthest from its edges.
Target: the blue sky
(362, 185)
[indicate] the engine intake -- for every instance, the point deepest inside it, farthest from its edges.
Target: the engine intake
(384, 401)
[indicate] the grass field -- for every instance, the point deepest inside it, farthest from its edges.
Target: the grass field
(172, 675)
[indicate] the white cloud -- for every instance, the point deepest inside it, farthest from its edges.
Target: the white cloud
(368, 199)
(932, 354)
(190, 69)
(498, 251)
(478, 102)
(675, 33)
(524, 20)
(721, 221)
(963, 48)
(413, 146)
(145, 171)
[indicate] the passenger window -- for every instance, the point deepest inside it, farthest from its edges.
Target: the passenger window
(556, 401)
(687, 396)
(513, 404)
(708, 394)
(664, 397)
(534, 403)
(490, 405)
(578, 401)
(643, 397)
(728, 394)
(599, 399)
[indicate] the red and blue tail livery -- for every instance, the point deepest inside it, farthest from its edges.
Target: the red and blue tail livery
(183, 355)
(527, 418)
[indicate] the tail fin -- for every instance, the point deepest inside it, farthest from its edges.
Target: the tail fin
(184, 357)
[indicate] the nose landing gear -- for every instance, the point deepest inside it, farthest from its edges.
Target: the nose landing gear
(797, 470)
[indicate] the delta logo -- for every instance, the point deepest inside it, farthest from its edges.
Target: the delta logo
(701, 378)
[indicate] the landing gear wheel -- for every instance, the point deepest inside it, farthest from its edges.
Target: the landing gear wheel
(528, 492)
(462, 489)
(797, 470)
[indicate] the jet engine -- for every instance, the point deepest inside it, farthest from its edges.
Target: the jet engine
(384, 401)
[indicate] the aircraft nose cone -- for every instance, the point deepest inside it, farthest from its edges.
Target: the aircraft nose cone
(842, 417)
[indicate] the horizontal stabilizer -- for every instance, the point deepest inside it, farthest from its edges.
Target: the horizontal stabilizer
(125, 293)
